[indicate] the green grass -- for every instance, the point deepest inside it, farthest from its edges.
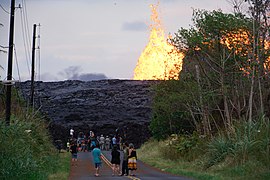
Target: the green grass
(26, 150)
(62, 171)
(152, 153)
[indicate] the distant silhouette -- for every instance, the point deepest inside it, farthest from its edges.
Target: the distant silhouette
(73, 73)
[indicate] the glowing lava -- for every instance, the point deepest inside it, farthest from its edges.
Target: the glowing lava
(160, 60)
(240, 42)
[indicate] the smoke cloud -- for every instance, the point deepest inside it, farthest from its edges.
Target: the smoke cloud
(134, 26)
(73, 73)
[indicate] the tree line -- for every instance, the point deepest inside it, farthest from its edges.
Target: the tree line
(225, 76)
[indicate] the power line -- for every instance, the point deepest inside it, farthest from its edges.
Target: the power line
(4, 9)
(27, 53)
(26, 33)
(18, 70)
(26, 20)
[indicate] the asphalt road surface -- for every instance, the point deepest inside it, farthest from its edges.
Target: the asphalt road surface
(84, 169)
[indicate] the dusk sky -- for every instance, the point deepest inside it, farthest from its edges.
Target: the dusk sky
(81, 37)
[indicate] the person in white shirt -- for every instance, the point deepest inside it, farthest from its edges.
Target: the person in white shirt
(102, 142)
(71, 132)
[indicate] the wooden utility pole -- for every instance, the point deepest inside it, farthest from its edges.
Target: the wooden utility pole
(10, 57)
(33, 65)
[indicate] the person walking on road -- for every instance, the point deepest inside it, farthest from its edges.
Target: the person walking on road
(102, 142)
(74, 151)
(107, 143)
(71, 132)
(115, 160)
(97, 159)
(114, 141)
(93, 141)
(132, 159)
(125, 160)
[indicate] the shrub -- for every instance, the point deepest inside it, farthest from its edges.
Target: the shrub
(170, 115)
(218, 149)
(185, 146)
(262, 135)
(26, 150)
(249, 141)
(244, 141)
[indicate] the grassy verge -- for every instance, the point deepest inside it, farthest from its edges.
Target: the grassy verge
(26, 148)
(62, 171)
(26, 151)
(153, 153)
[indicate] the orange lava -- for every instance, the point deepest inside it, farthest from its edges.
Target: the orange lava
(160, 60)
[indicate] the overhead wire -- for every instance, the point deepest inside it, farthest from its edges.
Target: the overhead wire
(27, 32)
(4, 9)
(27, 22)
(16, 59)
(26, 35)
(26, 48)
(2, 50)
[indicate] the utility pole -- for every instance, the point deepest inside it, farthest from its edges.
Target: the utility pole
(10, 56)
(33, 65)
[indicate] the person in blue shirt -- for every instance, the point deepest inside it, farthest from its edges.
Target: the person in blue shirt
(97, 159)
(114, 141)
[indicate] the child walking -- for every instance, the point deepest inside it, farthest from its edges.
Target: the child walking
(97, 159)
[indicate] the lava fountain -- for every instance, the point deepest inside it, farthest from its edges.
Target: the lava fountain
(160, 60)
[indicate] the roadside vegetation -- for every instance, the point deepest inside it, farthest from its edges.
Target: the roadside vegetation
(213, 123)
(243, 155)
(26, 149)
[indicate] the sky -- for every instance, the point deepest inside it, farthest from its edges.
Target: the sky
(88, 39)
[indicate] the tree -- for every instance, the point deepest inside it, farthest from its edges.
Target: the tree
(259, 11)
(218, 44)
(219, 82)
(170, 109)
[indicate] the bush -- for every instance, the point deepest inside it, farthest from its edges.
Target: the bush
(249, 141)
(262, 136)
(170, 115)
(218, 149)
(26, 150)
(186, 146)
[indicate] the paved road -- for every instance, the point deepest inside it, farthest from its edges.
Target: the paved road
(84, 169)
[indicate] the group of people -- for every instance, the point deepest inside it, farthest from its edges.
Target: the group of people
(96, 145)
(85, 143)
(129, 161)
